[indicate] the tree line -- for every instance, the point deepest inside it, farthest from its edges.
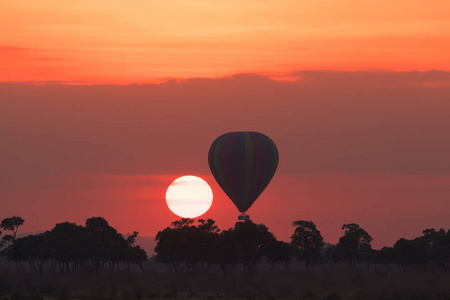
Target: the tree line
(68, 246)
(187, 246)
(200, 245)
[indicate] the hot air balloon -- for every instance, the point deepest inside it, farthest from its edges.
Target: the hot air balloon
(243, 163)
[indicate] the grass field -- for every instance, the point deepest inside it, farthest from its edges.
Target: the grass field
(326, 282)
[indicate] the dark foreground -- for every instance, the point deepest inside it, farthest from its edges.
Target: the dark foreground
(331, 282)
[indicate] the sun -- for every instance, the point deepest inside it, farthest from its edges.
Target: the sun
(189, 196)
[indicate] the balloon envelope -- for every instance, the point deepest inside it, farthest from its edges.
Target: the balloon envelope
(243, 163)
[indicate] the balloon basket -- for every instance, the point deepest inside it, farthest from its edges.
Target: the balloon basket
(243, 217)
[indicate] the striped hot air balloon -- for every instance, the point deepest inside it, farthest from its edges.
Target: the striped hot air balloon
(243, 163)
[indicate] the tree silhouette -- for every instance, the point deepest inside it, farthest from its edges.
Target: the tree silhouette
(410, 252)
(11, 224)
(184, 245)
(32, 249)
(67, 243)
(182, 223)
(104, 244)
(68, 246)
(131, 239)
(167, 248)
(278, 252)
(208, 226)
(385, 255)
(187, 245)
(438, 245)
(308, 241)
(328, 253)
(209, 238)
(227, 250)
(354, 246)
(252, 240)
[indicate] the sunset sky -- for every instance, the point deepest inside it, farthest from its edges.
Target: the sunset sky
(104, 103)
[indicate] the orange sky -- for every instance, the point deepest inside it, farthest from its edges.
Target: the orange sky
(356, 144)
(122, 42)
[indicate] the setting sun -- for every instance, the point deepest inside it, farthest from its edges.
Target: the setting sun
(189, 196)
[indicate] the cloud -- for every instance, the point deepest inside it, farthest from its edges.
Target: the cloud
(369, 122)
(375, 77)
(6, 49)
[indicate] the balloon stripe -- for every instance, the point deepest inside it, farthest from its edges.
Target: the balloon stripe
(264, 162)
(273, 158)
(225, 150)
(249, 166)
(216, 164)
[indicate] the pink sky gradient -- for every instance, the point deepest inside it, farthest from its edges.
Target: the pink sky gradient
(368, 147)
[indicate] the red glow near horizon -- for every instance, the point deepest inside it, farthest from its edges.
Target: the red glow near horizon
(121, 97)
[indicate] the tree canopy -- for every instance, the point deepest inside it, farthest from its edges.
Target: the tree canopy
(68, 246)
(184, 245)
(307, 240)
(354, 246)
(188, 244)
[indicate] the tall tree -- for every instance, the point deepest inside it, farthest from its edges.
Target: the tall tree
(438, 245)
(354, 246)
(104, 242)
(278, 252)
(180, 245)
(252, 241)
(31, 249)
(308, 241)
(410, 252)
(208, 233)
(385, 255)
(67, 243)
(11, 224)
